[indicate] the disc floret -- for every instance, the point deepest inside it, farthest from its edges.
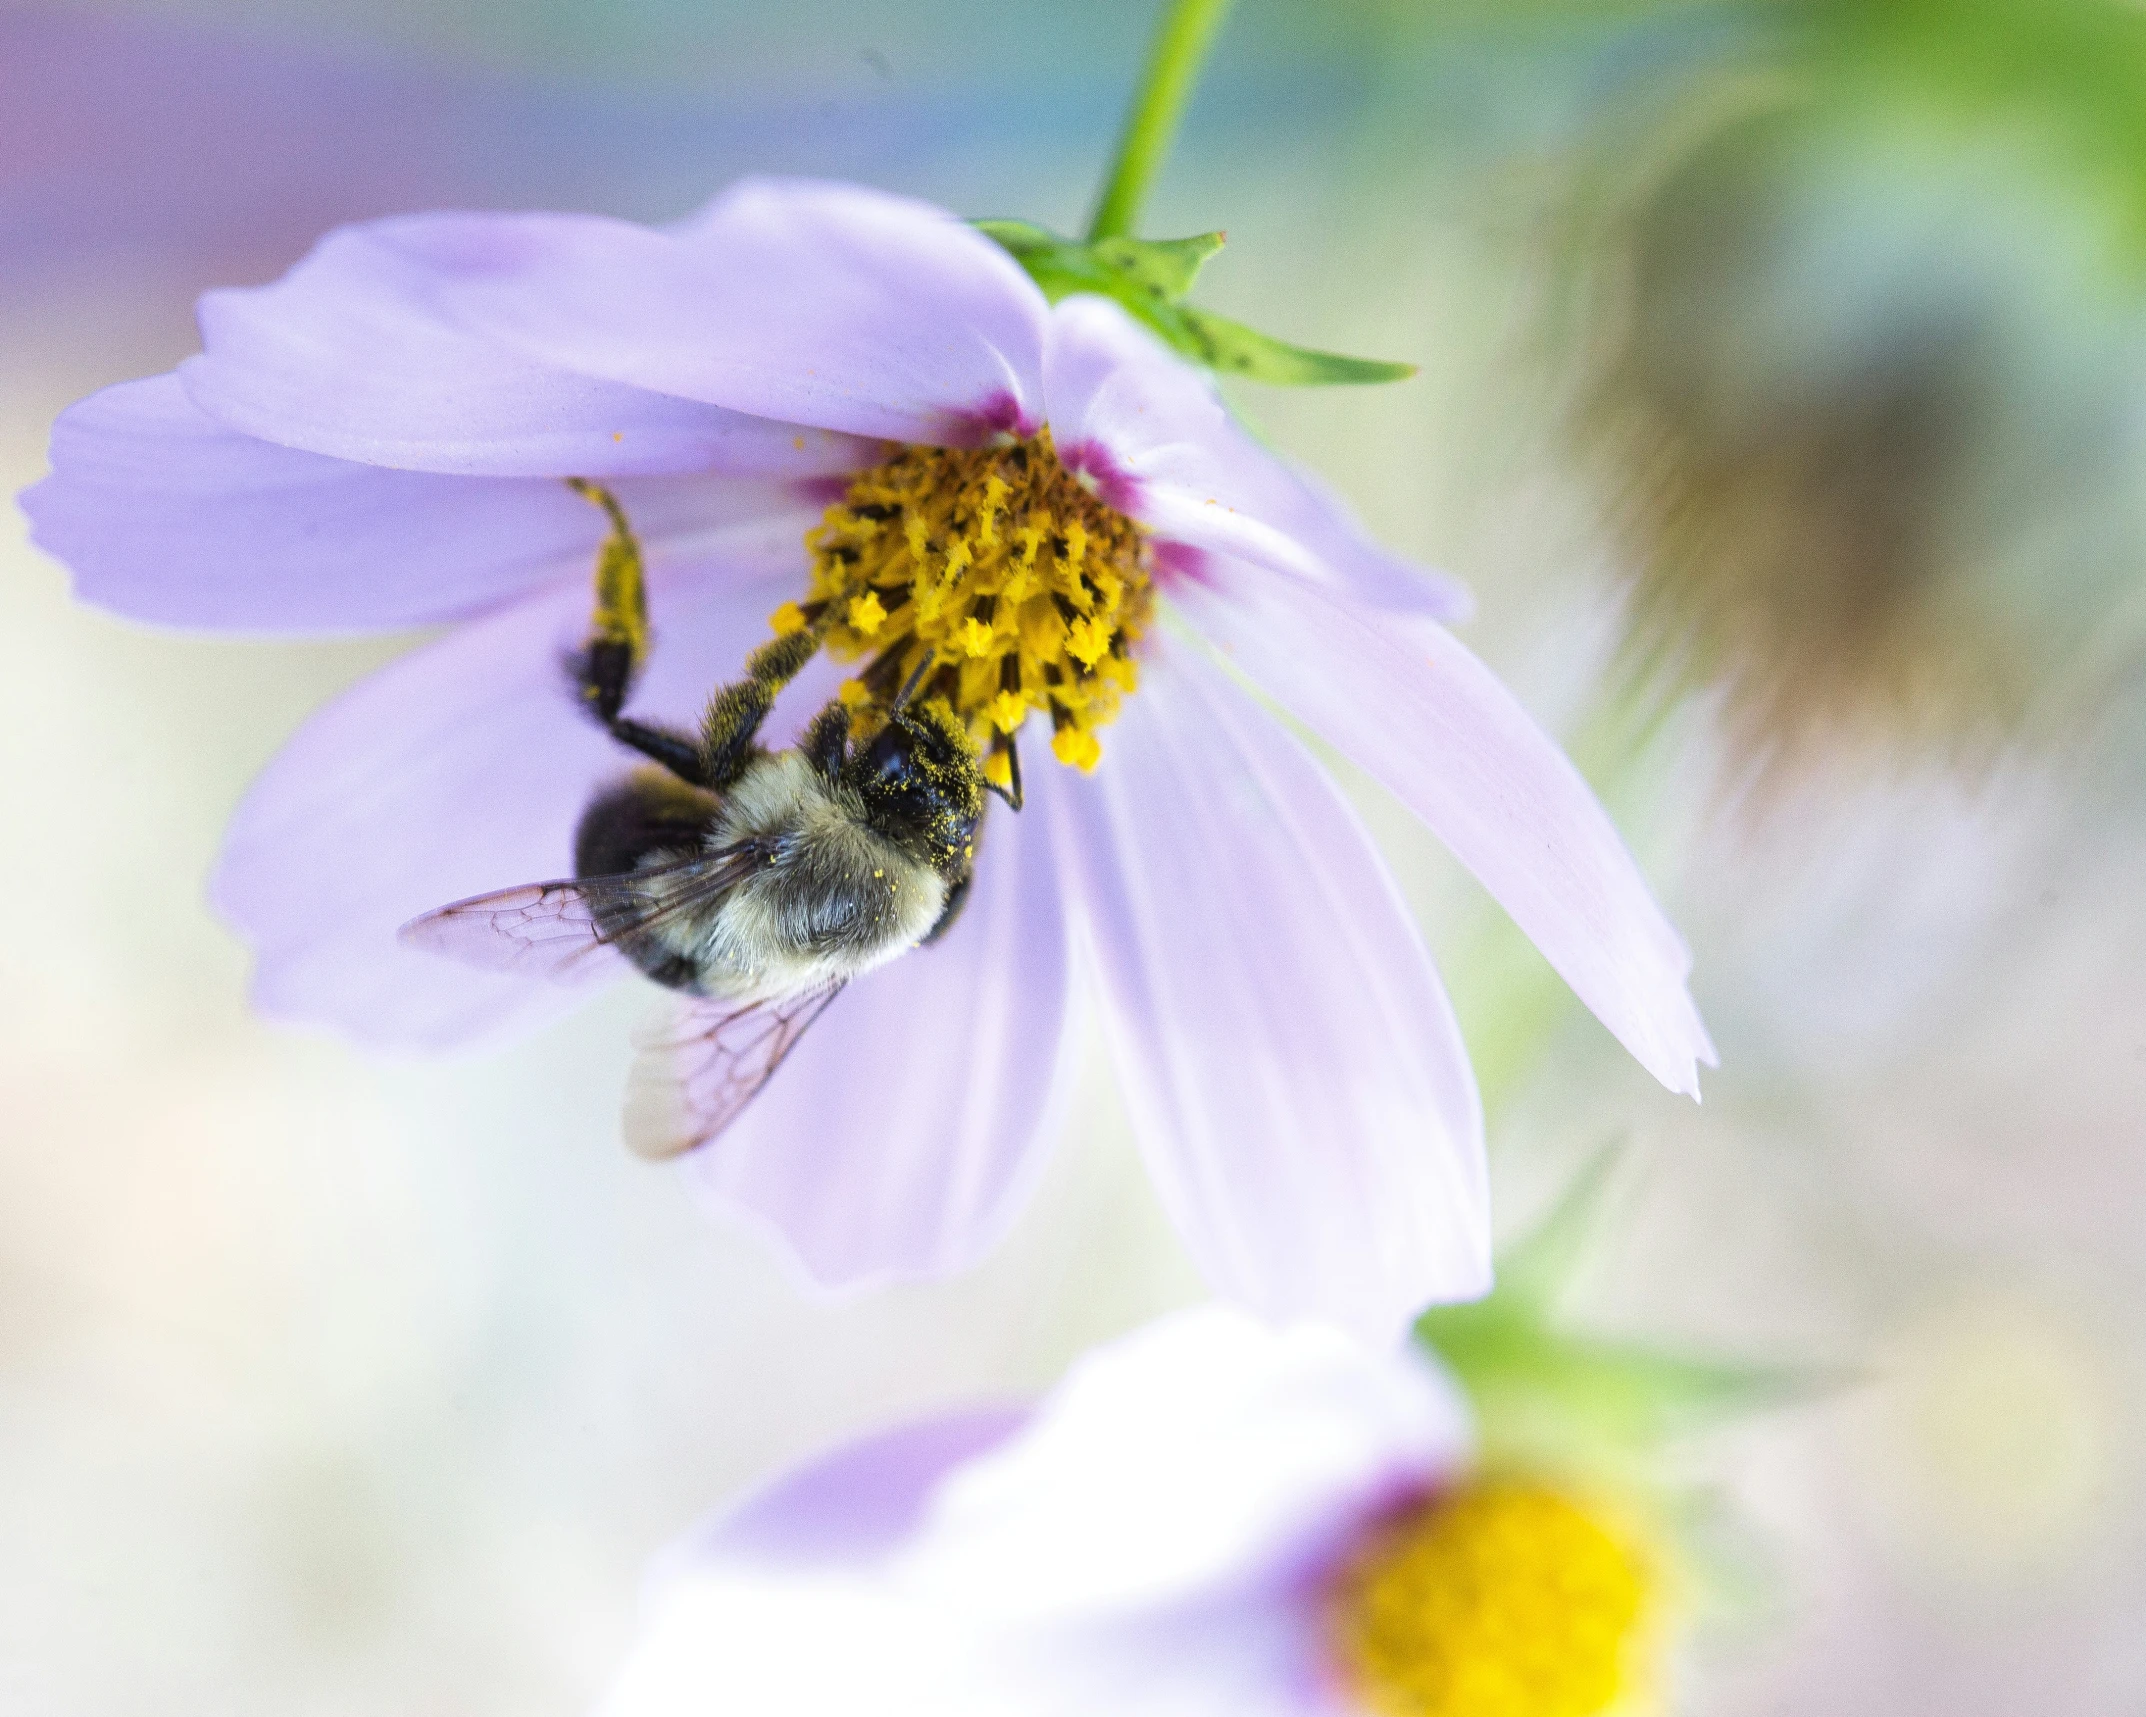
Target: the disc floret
(1499, 1599)
(996, 571)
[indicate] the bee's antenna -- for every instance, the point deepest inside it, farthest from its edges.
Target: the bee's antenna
(916, 679)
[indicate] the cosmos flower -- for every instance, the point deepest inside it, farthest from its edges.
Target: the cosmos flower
(378, 440)
(1207, 1517)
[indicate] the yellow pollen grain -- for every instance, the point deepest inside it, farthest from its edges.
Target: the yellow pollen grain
(1006, 581)
(987, 514)
(786, 619)
(1076, 748)
(1500, 1599)
(865, 614)
(1087, 641)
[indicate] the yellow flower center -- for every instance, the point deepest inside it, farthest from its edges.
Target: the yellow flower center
(1501, 1599)
(1000, 569)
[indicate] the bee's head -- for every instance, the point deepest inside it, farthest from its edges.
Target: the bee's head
(920, 785)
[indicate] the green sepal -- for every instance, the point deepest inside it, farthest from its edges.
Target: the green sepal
(1131, 270)
(1150, 278)
(1163, 268)
(1236, 350)
(1545, 1393)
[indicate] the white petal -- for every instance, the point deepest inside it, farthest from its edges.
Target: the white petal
(818, 1644)
(902, 1135)
(1410, 704)
(1164, 448)
(1195, 1456)
(356, 353)
(1291, 1064)
(817, 303)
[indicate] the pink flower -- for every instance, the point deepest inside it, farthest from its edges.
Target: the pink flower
(1207, 1518)
(377, 441)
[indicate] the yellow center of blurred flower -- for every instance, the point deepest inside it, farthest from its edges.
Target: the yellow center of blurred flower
(1001, 569)
(1500, 1599)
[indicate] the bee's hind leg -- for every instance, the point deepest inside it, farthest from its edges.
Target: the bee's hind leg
(605, 668)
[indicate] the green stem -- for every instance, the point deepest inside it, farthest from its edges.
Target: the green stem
(1188, 29)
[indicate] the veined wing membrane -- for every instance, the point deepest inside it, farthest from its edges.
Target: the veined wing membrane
(695, 1075)
(571, 930)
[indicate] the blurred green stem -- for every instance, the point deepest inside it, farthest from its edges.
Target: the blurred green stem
(1180, 48)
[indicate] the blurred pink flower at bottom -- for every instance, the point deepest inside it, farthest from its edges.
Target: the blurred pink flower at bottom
(1208, 1518)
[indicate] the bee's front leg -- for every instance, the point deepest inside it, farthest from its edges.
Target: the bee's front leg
(730, 730)
(826, 741)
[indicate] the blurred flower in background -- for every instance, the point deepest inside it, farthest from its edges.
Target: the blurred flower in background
(1205, 1516)
(1869, 293)
(1211, 1515)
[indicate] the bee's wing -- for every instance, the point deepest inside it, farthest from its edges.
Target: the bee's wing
(696, 1073)
(569, 930)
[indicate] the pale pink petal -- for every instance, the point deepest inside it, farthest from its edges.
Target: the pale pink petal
(1199, 1456)
(905, 1131)
(851, 1505)
(1163, 448)
(460, 768)
(817, 303)
(163, 514)
(1152, 1541)
(1292, 1066)
(739, 1613)
(353, 353)
(1417, 711)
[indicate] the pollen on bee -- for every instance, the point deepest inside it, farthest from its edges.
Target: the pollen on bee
(993, 571)
(786, 619)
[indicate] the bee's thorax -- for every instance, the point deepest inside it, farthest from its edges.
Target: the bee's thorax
(834, 897)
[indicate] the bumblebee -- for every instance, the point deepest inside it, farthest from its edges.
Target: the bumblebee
(755, 882)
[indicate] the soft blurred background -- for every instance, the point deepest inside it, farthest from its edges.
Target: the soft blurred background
(1784, 399)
